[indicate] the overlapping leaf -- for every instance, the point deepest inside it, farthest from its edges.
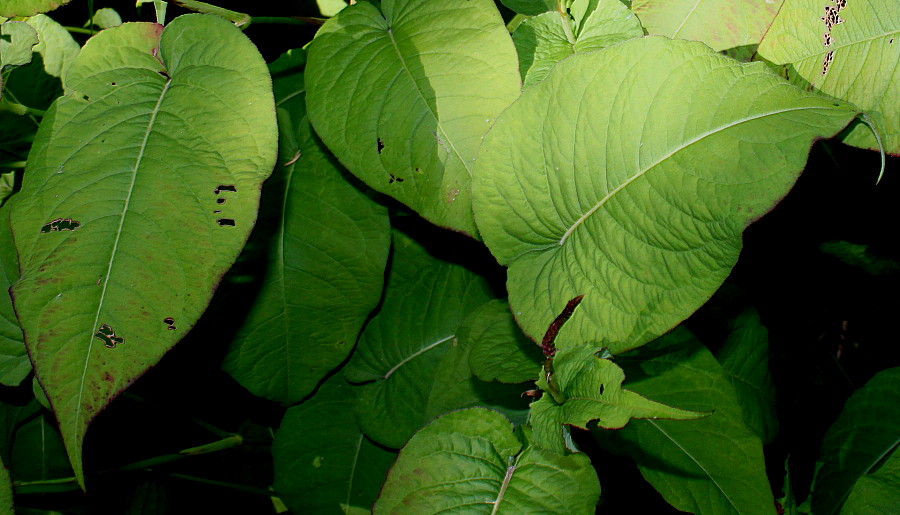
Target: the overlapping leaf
(877, 492)
(499, 350)
(867, 431)
(11, 8)
(636, 197)
(409, 353)
(326, 263)
(18, 39)
(141, 188)
(542, 41)
(711, 465)
(403, 96)
(14, 363)
(530, 7)
(745, 358)
(6, 491)
(848, 50)
(721, 24)
(323, 463)
(471, 461)
(590, 388)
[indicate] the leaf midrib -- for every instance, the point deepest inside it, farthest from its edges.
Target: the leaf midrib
(642, 172)
(416, 354)
(112, 257)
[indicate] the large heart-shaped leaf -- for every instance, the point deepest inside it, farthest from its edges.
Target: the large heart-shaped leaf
(410, 352)
(327, 247)
(403, 96)
(589, 388)
(11, 8)
(721, 24)
(140, 190)
(323, 463)
(14, 363)
(636, 197)
(543, 41)
(848, 50)
(867, 430)
(878, 492)
(711, 465)
(471, 461)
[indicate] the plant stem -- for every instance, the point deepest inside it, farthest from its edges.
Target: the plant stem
(232, 486)
(567, 28)
(288, 20)
(80, 30)
(19, 109)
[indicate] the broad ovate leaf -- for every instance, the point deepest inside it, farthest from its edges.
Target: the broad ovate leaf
(542, 41)
(721, 24)
(745, 358)
(323, 463)
(590, 388)
(14, 363)
(711, 465)
(141, 188)
(846, 49)
(17, 39)
(403, 97)
(876, 492)
(409, 354)
(867, 430)
(636, 197)
(106, 17)
(499, 350)
(327, 248)
(11, 8)
(471, 461)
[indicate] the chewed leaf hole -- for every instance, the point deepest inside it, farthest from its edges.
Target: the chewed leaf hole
(108, 336)
(394, 179)
(170, 323)
(380, 145)
(224, 187)
(225, 222)
(220, 201)
(61, 224)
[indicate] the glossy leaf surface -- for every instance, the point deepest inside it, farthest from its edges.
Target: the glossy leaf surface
(323, 462)
(636, 198)
(845, 52)
(120, 233)
(471, 461)
(327, 247)
(711, 465)
(867, 430)
(419, 89)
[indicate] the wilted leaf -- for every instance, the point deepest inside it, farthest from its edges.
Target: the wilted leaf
(847, 52)
(591, 389)
(867, 430)
(409, 350)
(404, 97)
(721, 24)
(323, 462)
(11, 8)
(325, 269)
(119, 239)
(499, 350)
(745, 358)
(542, 41)
(637, 197)
(712, 465)
(471, 461)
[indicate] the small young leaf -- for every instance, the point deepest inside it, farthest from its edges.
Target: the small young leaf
(470, 460)
(500, 352)
(867, 430)
(592, 390)
(323, 463)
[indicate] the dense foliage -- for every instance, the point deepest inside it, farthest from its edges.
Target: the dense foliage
(422, 256)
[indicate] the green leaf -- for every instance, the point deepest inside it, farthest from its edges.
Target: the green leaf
(409, 350)
(120, 245)
(877, 492)
(6, 491)
(592, 390)
(404, 98)
(721, 24)
(499, 350)
(12, 416)
(636, 198)
(329, 8)
(105, 18)
(471, 461)
(862, 38)
(327, 248)
(57, 48)
(542, 42)
(745, 358)
(11, 8)
(530, 7)
(323, 463)
(859, 256)
(14, 363)
(16, 43)
(867, 430)
(712, 465)
(38, 453)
